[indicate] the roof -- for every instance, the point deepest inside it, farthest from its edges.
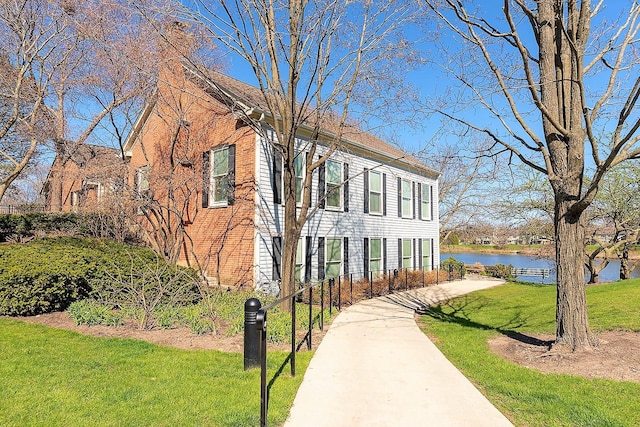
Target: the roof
(235, 93)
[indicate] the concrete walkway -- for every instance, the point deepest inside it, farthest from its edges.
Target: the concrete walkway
(375, 367)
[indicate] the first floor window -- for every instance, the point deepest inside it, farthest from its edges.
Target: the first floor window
(406, 253)
(375, 255)
(333, 259)
(220, 176)
(142, 180)
(426, 254)
(299, 262)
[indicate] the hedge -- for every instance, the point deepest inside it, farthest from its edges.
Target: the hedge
(48, 274)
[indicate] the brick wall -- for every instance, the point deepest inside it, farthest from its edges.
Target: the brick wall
(185, 123)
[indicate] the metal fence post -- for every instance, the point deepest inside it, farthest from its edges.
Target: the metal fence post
(261, 327)
(322, 305)
(310, 318)
(332, 283)
(293, 336)
(251, 334)
(339, 293)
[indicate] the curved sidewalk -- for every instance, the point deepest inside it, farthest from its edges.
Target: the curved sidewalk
(375, 367)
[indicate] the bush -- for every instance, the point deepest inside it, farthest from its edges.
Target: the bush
(500, 271)
(48, 274)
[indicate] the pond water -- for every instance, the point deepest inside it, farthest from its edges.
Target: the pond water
(610, 274)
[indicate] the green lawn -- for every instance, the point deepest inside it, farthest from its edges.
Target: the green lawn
(60, 378)
(529, 398)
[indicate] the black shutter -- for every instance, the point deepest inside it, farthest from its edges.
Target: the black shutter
(366, 190)
(277, 176)
(420, 266)
(345, 265)
(345, 187)
(384, 194)
(431, 201)
(206, 178)
(276, 254)
(400, 197)
(231, 195)
(419, 201)
(399, 254)
(321, 187)
(320, 258)
(413, 199)
(415, 253)
(384, 255)
(307, 260)
(366, 257)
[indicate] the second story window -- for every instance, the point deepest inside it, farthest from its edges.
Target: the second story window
(334, 185)
(375, 192)
(299, 169)
(425, 202)
(406, 199)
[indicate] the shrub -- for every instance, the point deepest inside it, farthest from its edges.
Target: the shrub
(49, 274)
(500, 271)
(89, 312)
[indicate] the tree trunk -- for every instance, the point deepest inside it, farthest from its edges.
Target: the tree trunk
(572, 323)
(624, 263)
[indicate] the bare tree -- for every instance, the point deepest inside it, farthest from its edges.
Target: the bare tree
(616, 206)
(312, 61)
(552, 85)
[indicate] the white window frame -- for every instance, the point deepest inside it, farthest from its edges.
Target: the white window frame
(406, 200)
(337, 187)
(407, 256)
(327, 261)
(372, 192)
(213, 179)
(426, 254)
(374, 259)
(425, 209)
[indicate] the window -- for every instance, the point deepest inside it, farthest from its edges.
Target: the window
(75, 200)
(220, 176)
(406, 199)
(333, 257)
(425, 202)
(299, 262)
(142, 180)
(426, 254)
(299, 170)
(375, 255)
(406, 253)
(375, 192)
(334, 184)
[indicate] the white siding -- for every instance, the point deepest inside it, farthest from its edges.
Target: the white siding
(354, 224)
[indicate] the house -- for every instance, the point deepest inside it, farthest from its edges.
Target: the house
(83, 178)
(209, 190)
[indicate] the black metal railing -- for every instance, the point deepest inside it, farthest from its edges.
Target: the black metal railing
(374, 285)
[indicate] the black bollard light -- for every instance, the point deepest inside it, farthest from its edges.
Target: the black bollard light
(251, 334)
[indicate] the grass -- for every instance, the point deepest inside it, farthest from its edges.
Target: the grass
(462, 327)
(61, 378)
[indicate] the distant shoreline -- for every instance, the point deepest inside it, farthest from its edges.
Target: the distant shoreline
(543, 251)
